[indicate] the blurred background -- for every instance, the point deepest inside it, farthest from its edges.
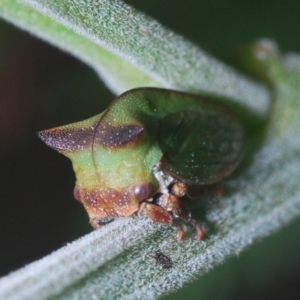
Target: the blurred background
(42, 87)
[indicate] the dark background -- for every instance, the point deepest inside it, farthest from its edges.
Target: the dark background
(42, 87)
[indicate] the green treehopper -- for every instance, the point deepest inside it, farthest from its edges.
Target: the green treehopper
(144, 152)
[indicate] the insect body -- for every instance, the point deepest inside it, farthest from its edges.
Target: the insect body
(144, 150)
(163, 260)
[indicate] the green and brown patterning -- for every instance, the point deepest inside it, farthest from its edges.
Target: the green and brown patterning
(143, 152)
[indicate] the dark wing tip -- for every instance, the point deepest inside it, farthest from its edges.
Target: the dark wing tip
(67, 139)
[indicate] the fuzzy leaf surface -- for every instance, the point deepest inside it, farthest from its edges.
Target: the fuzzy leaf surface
(128, 49)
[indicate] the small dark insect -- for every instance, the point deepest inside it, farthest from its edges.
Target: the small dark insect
(163, 260)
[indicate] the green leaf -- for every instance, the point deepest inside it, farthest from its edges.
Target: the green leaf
(117, 261)
(118, 42)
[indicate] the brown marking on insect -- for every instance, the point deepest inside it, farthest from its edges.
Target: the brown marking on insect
(68, 139)
(180, 231)
(178, 189)
(168, 201)
(107, 202)
(182, 213)
(173, 204)
(163, 260)
(110, 136)
(200, 230)
(156, 213)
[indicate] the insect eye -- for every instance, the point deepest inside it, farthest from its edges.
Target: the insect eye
(142, 191)
(76, 193)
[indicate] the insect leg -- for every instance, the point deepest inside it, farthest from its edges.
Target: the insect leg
(173, 204)
(160, 215)
(99, 222)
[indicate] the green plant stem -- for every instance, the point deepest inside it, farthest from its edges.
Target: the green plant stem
(115, 262)
(130, 50)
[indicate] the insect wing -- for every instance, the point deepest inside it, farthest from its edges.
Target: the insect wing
(201, 146)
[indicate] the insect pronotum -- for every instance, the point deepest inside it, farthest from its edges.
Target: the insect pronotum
(145, 150)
